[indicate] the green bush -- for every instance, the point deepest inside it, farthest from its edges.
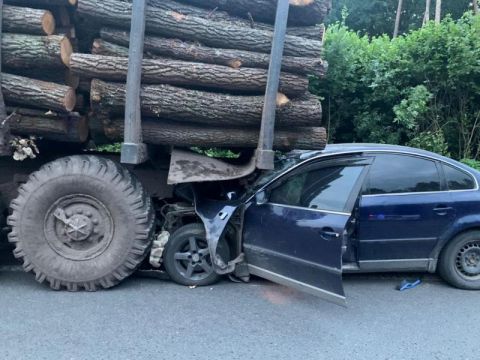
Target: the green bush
(472, 163)
(421, 89)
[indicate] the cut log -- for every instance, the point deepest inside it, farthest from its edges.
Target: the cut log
(41, 4)
(174, 72)
(182, 50)
(301, 12)
(311, 32)
(28, 21)
(41, 94)
(59, 76)
(49, 125)
(170, 133)
(211, 33)
(175, 103)
(26, 51)
(102, 47)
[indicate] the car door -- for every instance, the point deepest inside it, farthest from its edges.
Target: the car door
(404, 211)
(294, 228)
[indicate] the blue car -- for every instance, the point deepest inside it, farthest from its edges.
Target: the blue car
(349, 208)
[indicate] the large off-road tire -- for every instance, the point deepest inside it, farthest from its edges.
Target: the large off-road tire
(81, 222)
(459, 263)
(187, 259)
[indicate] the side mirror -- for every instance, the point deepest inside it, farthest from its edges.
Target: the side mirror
(261, 197)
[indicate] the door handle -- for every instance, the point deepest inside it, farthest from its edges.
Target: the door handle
(329, 234)
(442, 210)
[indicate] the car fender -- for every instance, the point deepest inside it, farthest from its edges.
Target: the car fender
(462, 224)
(215, 216)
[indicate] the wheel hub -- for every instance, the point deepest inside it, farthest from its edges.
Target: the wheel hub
(78, 227)
(468, 259)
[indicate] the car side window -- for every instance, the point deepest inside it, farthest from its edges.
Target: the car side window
(327, 188)
(457, 179)
(394, 174)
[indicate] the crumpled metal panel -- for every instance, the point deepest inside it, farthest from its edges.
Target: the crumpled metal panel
(187, 166)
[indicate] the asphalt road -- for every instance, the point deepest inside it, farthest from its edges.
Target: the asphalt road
(153, 319)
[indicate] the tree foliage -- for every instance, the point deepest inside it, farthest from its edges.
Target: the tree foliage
(420, 89)
(376, 17)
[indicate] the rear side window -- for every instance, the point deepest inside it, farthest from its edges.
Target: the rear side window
(394, 174)
(457, 179)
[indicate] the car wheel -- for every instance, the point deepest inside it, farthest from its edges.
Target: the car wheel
(460, 261)
(187, 258)
(81, 222)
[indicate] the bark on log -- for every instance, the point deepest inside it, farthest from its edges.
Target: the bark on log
(26, 51)
(49, 125)
(311, 32)
(106, 48)
(180, 104)
(59, 76)
(311, 13)
(41, 4)
(211, 33)
(182, 50)
(174, 72)
(41, 94)
(28, 21)
(170, 133)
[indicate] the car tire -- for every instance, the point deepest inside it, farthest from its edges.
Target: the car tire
(187, 259)
(459, 263)
(81, 222)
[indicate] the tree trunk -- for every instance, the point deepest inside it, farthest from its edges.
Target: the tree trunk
(211, 33)
(189, 74)
(30, 51)
(311, 13)
(311, 32)
(41, 4)
(49, 125)
(475, 7)
(166, 101)
(178, 49)
(41, 94)
(426, 17)
(398, 17)
(186, 135)
(106, 48)
(28, 21)
(438, 11)
(59, 76)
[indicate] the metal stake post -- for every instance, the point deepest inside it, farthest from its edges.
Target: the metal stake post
(134, 151)
(4, 126)
(264, 153)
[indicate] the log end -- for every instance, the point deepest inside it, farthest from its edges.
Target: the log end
(48, 22)
(301, 2)
(70, 99)
(73, 2)
(66, 50)
(236, 63)
(282, 99)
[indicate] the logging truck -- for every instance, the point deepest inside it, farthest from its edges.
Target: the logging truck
(83, 220)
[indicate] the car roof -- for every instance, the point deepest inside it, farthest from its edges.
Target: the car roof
(365, 147)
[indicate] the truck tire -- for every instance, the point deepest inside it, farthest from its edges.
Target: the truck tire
(187, 259)
(81, 222)
(459, 263)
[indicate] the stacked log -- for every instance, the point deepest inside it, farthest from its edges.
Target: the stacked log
(37, 84)
(204, 70)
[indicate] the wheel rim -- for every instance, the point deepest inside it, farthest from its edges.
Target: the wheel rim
(78, 227)
(192, 261)
(468, 260)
